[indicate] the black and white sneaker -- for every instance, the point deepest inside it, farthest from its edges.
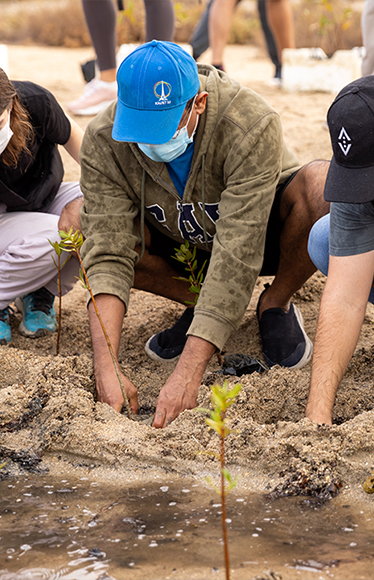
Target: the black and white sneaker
(167, 345)
(284, 341)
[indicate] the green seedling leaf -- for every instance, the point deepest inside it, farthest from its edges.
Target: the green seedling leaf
(226, 474)
(82, 280)
(56, 247)
(231, 481)
(202, 268)
(209, 480)
(202, 410)
(233, 393)
(213, 425)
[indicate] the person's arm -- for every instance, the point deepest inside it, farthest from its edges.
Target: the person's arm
(112, 311)
(341, 315)
(69, 217)
(74, 142)
(181, 389)
(70, 214)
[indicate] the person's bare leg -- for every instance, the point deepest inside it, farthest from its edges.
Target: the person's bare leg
(154, 274)
(302, 204)
(220, 18)
(280, 18)
(108, 76)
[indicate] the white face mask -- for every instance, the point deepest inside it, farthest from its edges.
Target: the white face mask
(177, 145)
(6, 134)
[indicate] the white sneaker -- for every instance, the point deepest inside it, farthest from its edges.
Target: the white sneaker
(96, 97)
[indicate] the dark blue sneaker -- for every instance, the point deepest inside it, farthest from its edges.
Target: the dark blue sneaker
(5, 333)
(284, 341)
(167, 345)
(38, 313)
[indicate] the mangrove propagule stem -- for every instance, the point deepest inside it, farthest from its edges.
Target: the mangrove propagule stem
(59, 304)
(223, 498)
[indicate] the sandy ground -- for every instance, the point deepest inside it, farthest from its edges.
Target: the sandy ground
(50, 419)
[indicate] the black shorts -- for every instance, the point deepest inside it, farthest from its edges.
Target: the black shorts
(165, 247)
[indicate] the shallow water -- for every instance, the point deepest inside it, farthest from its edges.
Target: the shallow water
(85, 530)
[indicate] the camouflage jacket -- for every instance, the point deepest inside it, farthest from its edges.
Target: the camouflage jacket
(239, 158)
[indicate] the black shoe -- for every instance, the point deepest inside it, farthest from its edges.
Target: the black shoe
(167, 345)
(284, 341)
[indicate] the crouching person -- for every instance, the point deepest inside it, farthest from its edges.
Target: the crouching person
(342, 244)
(34, 204)
(186, 153)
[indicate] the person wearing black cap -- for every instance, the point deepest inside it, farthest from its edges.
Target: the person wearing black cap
(341, 244)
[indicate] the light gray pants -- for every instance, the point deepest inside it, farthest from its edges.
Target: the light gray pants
(26, 262)
(367, 29)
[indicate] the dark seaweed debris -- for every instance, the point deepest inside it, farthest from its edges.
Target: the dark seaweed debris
(303, 483)
(242, 364)
(36, 405)
(27, 460)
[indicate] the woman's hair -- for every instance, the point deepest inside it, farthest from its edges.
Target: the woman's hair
(19, 122)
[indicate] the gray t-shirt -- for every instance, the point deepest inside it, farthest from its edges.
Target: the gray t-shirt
(351, 228)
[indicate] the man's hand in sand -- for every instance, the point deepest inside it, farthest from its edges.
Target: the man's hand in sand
(181, 389)
(109, 390)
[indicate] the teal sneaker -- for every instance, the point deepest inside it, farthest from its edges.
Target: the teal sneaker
(38, 313)
(5, 333)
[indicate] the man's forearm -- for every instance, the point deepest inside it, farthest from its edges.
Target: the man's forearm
(112, 311)
(337, 334)
(181, 389)
(195, 357)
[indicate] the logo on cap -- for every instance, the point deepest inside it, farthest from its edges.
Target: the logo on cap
(162, 90)
(343, 141)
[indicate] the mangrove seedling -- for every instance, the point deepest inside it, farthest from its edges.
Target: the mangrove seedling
(57, 248)
(183, 254)
(71, 242)
(222, 397)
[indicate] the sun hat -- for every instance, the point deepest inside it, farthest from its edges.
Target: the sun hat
(350, 178)
(154, 84)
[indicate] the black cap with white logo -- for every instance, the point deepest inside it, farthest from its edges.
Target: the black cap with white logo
(350, 118)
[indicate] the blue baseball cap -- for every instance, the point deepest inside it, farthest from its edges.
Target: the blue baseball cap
(154, 82)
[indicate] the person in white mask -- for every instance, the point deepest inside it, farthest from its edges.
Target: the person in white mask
(34, 204)
(188, 154)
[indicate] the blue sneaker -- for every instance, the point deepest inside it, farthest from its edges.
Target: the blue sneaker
(38, 313)
(5, 333)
